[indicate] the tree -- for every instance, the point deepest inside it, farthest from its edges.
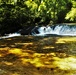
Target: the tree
(71, 15)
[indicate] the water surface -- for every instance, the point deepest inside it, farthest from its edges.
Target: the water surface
(38, 55)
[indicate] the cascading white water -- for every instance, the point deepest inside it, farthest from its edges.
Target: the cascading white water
(60, 30)
(69, 31)
(11, 35)
(64, 30)
(49, 30)
(45, 30)
(57, 30)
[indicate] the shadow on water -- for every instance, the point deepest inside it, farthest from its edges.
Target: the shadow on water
(38, 55)
(35, 43)
(39, 44)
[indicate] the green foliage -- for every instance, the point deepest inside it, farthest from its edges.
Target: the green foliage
(30, 12)
(71, 15)
(44, 9)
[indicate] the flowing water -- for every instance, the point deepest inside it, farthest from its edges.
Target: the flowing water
(39, 54)
(54, 30)
(10, 35)
(60, 30)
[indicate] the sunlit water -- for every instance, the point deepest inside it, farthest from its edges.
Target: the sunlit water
(40, 53)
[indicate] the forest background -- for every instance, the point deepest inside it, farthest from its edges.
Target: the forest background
(17, 14)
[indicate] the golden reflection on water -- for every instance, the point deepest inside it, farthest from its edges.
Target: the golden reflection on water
(48, 47)
(51, 60)
(66, 39)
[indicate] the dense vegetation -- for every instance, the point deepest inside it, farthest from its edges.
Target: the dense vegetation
(15, 14)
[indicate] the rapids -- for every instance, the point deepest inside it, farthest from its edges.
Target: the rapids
(53, 30)
(60, 30)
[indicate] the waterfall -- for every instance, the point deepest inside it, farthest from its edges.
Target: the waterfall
(63, 30)
(10, 35)
(55, 30)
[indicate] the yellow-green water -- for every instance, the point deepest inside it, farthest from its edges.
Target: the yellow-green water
(28, 55)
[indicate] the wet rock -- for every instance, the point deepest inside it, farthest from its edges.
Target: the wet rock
(26, 30)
